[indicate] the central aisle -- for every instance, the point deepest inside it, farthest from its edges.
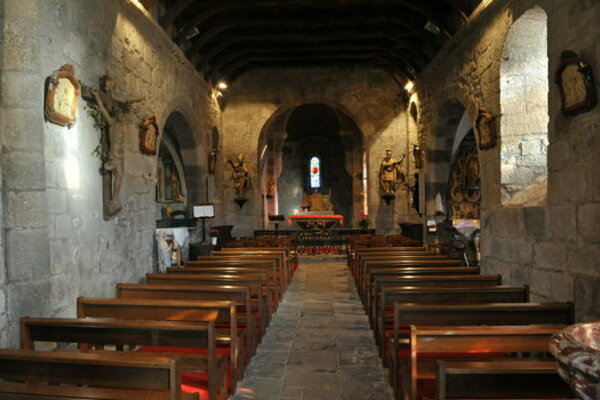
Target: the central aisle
(319, 344)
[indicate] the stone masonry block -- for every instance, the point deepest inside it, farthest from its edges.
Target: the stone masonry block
(20, 45)
(588, 216)
(509, 222)
(551, 255)
(562, 286)
(22, 129)
(26, 209)
(563, 222)
(535, 221)
(584, 260)
(27, 254)
(21, 89)
(541, 282)
(559, 155)
(21, 8)
(57, 200)
(28, 299)
(586, 296)
(510, 250)
(24, 171)
(2, 302)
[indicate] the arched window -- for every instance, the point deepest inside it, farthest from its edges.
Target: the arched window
(315, 172)
(524, 108)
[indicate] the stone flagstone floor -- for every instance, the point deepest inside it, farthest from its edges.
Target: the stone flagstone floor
(319, 345)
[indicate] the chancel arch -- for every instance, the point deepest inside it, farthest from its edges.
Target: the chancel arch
(293, 138)
(524, 109)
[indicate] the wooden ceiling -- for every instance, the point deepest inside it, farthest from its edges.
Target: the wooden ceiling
(225, 38)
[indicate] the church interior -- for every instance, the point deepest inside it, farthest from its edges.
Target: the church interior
(299, 199)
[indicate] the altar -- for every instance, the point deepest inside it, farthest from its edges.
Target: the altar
(316, 220)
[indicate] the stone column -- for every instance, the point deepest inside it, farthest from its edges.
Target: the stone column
(24, 246)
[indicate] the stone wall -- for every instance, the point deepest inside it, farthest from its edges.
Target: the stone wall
(552, 247)
(375, 102)
(58, 244)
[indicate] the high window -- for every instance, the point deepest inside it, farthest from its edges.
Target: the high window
(315, 172)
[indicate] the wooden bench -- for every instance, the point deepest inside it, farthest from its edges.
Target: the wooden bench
(275, 276)
(447, 281)
(456, 315)
(197, 339)
(367, 287)
(259, 298)
(107, 370)
(223, 312)
(384, 316)
(523, 379)
(260, 292)
(238, 294)
(282, 256)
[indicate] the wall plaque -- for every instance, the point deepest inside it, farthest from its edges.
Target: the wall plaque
(576, 83)
(62, 95)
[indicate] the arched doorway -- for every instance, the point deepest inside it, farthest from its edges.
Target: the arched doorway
(286, 148)
(524, 108)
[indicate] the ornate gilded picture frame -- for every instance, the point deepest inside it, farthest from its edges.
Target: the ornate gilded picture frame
(485, 127)
(576, 83)
(62, 94)
(149, 136)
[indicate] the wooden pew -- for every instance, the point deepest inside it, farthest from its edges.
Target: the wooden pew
(406, 315)
(29, 391)
(384, 316)
(523, 379)
(105, 370)
(447, 281)
(368, 265)
(236, 264)
(172, 310)
(197, 338)
(280, 261)
(367, 288)
(259, 292)
(363, 257)
(282, 254)
(238, 294)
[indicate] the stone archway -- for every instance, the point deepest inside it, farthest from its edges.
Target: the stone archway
(453, 124)
(286, 140)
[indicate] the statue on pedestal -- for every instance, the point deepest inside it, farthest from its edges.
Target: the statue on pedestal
(389, 174)
(240, 177)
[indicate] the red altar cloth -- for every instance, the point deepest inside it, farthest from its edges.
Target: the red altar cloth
(317, 217)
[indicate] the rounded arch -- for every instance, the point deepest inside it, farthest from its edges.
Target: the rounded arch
(271, 150)
(454, 122)
(179, 139)
(524, 108)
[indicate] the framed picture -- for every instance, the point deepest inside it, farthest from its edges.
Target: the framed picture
(576, 83)
(62, 94)
(486, 130)
(149, 136)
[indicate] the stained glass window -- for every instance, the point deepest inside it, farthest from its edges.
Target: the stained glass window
(315, 172)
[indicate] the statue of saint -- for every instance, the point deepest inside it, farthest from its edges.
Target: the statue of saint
(240, 177)
(389, 173)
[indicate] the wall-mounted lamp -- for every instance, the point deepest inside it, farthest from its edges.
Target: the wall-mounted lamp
(409, 87)
(222, 85)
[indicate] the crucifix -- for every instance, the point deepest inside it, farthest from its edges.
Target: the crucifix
(112, 111)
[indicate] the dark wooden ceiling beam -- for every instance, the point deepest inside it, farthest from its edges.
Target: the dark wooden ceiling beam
(460, 7)
(415, 63)
(219, 7)
(341, 24)
(236, 44)
(311, 59)
(368, 61)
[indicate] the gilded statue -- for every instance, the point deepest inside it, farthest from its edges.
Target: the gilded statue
(240, 177)
(389, 173)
